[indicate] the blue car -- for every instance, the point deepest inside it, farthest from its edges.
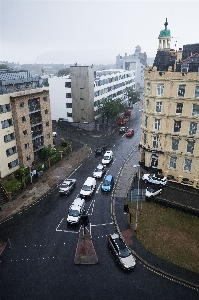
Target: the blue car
(108, 183)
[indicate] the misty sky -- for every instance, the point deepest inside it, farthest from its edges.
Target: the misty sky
(82, 31)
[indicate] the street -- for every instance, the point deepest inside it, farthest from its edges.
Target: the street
(38, 262)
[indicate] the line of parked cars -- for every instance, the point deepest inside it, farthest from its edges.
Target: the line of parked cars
(77, 209)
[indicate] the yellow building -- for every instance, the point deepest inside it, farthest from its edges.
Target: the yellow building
(170, 120)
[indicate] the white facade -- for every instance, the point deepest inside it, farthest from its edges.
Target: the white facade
(60, 98)
(107, 84)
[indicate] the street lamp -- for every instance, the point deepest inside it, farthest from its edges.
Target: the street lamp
(136, 216)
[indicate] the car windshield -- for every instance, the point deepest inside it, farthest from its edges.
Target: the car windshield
(74, 213)
(106, 157)
(124, 252)
(151, 176)
(98, 170)
(106, 183)
(64, 186)
(86, 188)
(150, 189)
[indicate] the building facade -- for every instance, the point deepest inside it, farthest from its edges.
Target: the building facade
(170, 121)
(25, 117)
(76, 98)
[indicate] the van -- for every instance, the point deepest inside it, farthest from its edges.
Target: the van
(75, 211)
(88, 187)
(107, 158)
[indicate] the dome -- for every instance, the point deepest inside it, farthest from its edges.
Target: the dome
(165, 32)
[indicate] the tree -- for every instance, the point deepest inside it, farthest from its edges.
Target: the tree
(111, 108)
(64, 72)
(132, 95)
(46, 153)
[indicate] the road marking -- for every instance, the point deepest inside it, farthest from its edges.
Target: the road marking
(102, 224)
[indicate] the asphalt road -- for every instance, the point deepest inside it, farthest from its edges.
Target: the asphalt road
(38, 263)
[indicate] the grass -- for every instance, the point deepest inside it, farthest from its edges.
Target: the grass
(169, 234)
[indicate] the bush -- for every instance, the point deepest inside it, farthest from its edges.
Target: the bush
(12, 186)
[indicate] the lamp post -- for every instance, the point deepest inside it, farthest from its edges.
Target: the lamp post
(136, 216)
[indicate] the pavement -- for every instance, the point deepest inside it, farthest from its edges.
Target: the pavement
(85, 252)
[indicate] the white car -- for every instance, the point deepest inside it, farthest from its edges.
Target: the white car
(107, 158)
(67, 186)
(88, 187)
(153, 178)
(153, 191)
(75, 211)
(99, 171)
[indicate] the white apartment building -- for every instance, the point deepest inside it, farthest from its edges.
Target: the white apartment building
(76, 98)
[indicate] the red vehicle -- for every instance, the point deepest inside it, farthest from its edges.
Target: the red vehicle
(122, 119)
(130, 132)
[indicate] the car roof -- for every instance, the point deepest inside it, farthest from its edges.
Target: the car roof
(100, 166)
(108, 177)
(118, 240)
(108, 152)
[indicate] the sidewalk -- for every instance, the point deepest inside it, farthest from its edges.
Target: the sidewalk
(51, 177)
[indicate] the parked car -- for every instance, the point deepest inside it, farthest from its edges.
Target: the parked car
(88, 187)
(130, 132)
(123, 129)
(121, 251)
(100, 150)
(153, 190)
(99, 171)
(107, 158)
(108, 183)
(153, 178)
(67, 186)
(75, 211)
(54, 134)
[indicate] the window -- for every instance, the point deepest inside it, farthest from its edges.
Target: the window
(195, 111)
(69, 115)
(158, 106)
(9, 137)
(27, 146)
(193, 128)
(23, 119)
(47, 123)
(172, 163)
(144, 138)
(148, 87)
(28, 157)
(68, 105)
(11, 151)
(175, 143)
(157, 124)
(48, 135)
(177, 126)
(179, 107)
(160, 90)
(197, 91)
(13, 164)
(4, 108)
(45, 99)
(190, 146)
(187, 164)
(46, 111)
(147, 104)
(25, 133)
(6, 123)
(68, 95)
(21, 104)
(155, 142)
(181, 90)
(146, 121)
(68, 84)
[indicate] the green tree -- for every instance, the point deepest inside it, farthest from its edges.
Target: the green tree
(110, 108)
(132, 95)
(46, 153)
(64, 72)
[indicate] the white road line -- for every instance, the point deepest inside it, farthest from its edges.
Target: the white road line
(101, 224)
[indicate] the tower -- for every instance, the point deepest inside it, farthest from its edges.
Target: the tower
(164, 38)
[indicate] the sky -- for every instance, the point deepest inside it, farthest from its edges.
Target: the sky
(80, 31)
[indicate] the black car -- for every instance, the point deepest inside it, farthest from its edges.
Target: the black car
(121, 251)
(100, 150)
